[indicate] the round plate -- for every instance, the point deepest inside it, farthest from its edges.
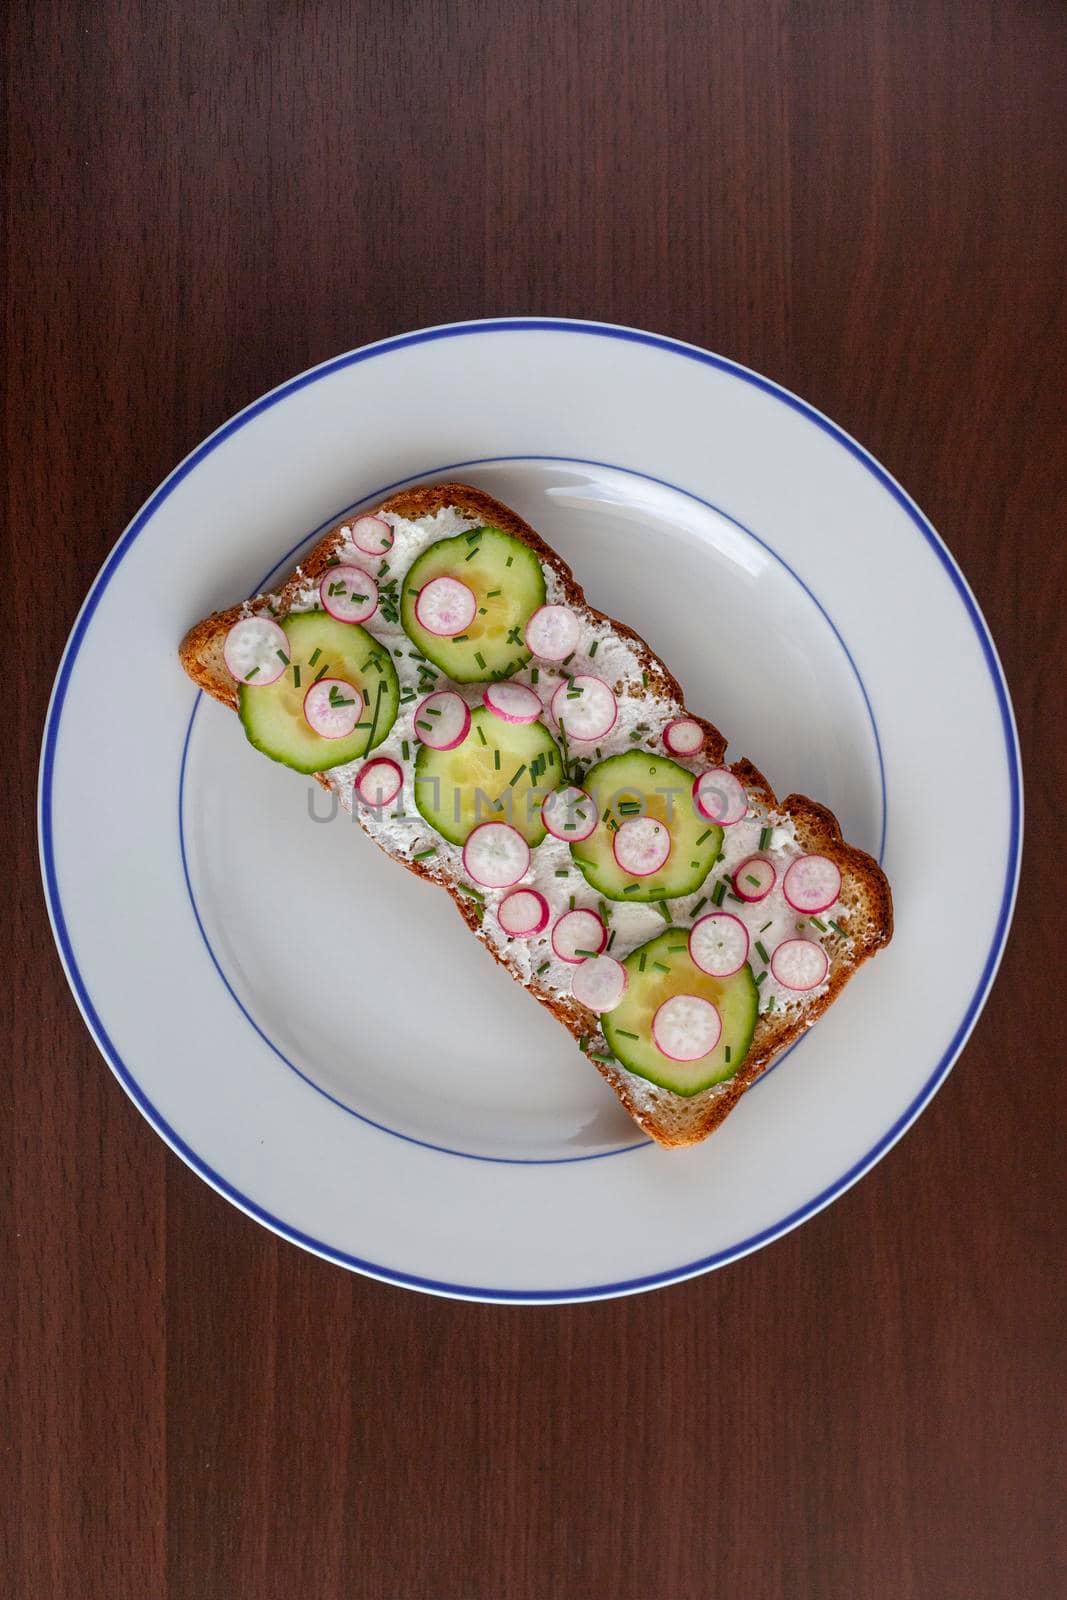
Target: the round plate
(304, 1023)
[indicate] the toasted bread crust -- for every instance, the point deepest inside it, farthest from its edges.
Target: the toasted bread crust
(671, 1119)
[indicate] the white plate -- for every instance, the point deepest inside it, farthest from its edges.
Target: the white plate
(306, 1025)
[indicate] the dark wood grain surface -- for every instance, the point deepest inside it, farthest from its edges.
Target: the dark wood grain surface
(858, 198)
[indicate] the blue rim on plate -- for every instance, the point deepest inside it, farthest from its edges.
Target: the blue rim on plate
(261, 587)
(582, 330)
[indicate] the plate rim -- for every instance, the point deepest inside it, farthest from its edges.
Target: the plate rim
(53, 899)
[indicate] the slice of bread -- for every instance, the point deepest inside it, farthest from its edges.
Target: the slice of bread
(670, 1118)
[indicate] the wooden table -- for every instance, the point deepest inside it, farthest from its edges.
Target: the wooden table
(856, 197)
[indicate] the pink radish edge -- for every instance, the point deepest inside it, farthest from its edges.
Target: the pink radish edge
(517, 925)
(804, 866)
(453, 726)
(558, 801)
(792, 956)
(598, 935)
(381, 795)
(695, 939)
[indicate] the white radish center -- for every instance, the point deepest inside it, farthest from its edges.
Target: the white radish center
(684, 737)
(349, 594)
(585, 707)
(552, 633)
(372, 535)
(718, 944)
(445, 607)
(642, 845)
(686, 1027)
(720, 797)
(799, 964)
(599, 983)
(812, 883)
(256, 650)
(496, 855)
(578, 935)
(332, 707)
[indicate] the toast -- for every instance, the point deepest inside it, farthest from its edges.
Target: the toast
(861, 916)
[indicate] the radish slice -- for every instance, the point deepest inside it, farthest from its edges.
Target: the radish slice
(348, 593)
(569, 814)
(523, 913)
(579, 935)
(718, 944)
(754, 879)
(642, 845)
(513, 702)
(256, 650)
(442, 720)
(445, 607)
(552, 633)
(585, 707)
(496, 855)
(720, 797)
(686, 1027)
(372, 535)
(599, 983)
(799, 964)
(379, 782)
(683, 737)
(332, 708)
(812, 884)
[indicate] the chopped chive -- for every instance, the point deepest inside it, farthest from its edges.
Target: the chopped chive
(660, 966)
(459, 638)
(592, 648)
(736, 897)
(701, 902)
(534, 674)
(568, 659)
(750, 878)
(765, 837)
(433, 711)
(589, 954)
(695, 864)
(492, 594)
(476, 534)
(761, 977)
(600, 1055)
(611, 939)
(581, 859)
(631, 888)
(543, 967)
(766, 925)
(508, 562)
(496, 759)
(761, 951)
(296, 678)
(482, 612)
(718, 894)
(383, 569)
(323, 670)
(282, 656)
(465, 888)
(513, 780)
(661, 907)
(471, 554)
(624, 1033)
(405, 749)
(563, 872)
(271, 609)
(569, 827)
(422, 854)
(427, 725)
(250, 675)
(605, 914)
(726, 1054)
(770, 1003)
(364, 724)
(838, 928)
(644, 680)
(673, 949)
(817, 922)
(481, 735)
(641, 963)
(479, 658)
(377, 712)
(705, 835)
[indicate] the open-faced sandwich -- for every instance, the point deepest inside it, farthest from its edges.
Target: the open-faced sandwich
(436, 665)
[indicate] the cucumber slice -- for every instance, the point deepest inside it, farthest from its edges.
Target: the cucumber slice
(657, 971)
(656, 787)
(509, 586)
(273, 713)
(500, 773)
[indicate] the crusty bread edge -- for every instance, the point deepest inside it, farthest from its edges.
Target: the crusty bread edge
(817, 828)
